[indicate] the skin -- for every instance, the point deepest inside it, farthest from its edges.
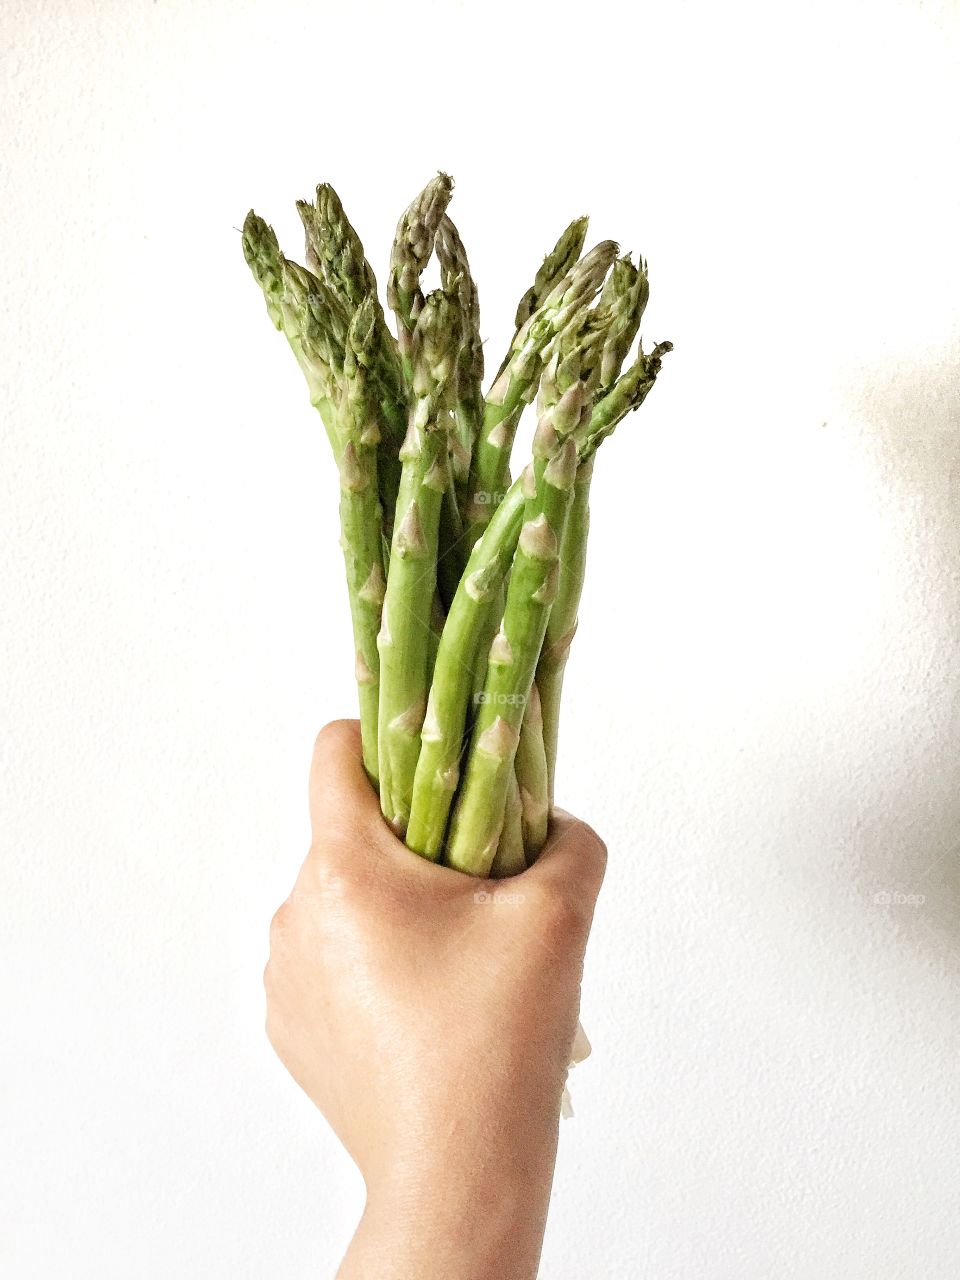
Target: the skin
(431, 1023)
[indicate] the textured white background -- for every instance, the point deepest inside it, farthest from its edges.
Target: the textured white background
(762, 710)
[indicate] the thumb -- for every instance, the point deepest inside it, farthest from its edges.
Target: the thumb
(340, 790)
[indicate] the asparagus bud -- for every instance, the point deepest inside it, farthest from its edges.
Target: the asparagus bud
(458, 281)
(334, 250)
(517, 384)
(627, 394)
(555, 266)
(335, 254)
(621, 306)
(262, 253)
(286, 295)
(412, 247)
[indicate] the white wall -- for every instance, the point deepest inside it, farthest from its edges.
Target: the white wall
(762, 710)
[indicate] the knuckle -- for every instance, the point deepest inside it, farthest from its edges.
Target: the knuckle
(325, 869)
(275, 1027)
(335, 875)
(594, 847)
(335, 844)
(280, 926)
(560, 917)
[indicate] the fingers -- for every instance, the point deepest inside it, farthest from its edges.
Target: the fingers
(339, 786)
(570, 867)
(573, 860)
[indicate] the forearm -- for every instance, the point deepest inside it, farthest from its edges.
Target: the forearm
(480, 1216)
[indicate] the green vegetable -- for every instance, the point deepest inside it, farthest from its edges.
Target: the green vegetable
(411, 582)
(512, 660)
(517, 384)
(464, 587)
(412, 250)
(360, 519)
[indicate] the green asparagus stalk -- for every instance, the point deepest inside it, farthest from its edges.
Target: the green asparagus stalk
(562, 623)
(467, 401)
(478, 814)
(627, 394)
(288, 314)
(335, 254)
(531, 766)
(509, 860)
(450, 557)
(412, 247)
(405, 635)
(457, 281)
(576, 359)
(463, 638)
(360, 519)
(517, 384)
(467, 629)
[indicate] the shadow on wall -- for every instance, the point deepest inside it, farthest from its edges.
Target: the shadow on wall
(909, 867)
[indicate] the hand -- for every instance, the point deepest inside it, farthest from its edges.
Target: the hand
(430, 1017)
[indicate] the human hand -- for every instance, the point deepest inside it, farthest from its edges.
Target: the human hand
(430, 1017)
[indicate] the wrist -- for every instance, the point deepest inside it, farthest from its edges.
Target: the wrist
(470, 1207)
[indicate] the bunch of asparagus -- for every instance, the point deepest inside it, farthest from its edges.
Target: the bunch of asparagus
(464, 585)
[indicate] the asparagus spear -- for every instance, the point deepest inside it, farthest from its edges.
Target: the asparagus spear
(334, 250)
(452, 685)
(467, 399)
(517, 384)
(360, 518)
(589, 353)
(412, 247)
(405, 635)
(555, 266)
(457, 280)
(509, 860)
(562, 623)
(621, 305)
(478, 815)
(627, 394)
(552, 270)
(467, 628)
(531, 765)
(288, 313)
(593, 350)
(335, 254)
